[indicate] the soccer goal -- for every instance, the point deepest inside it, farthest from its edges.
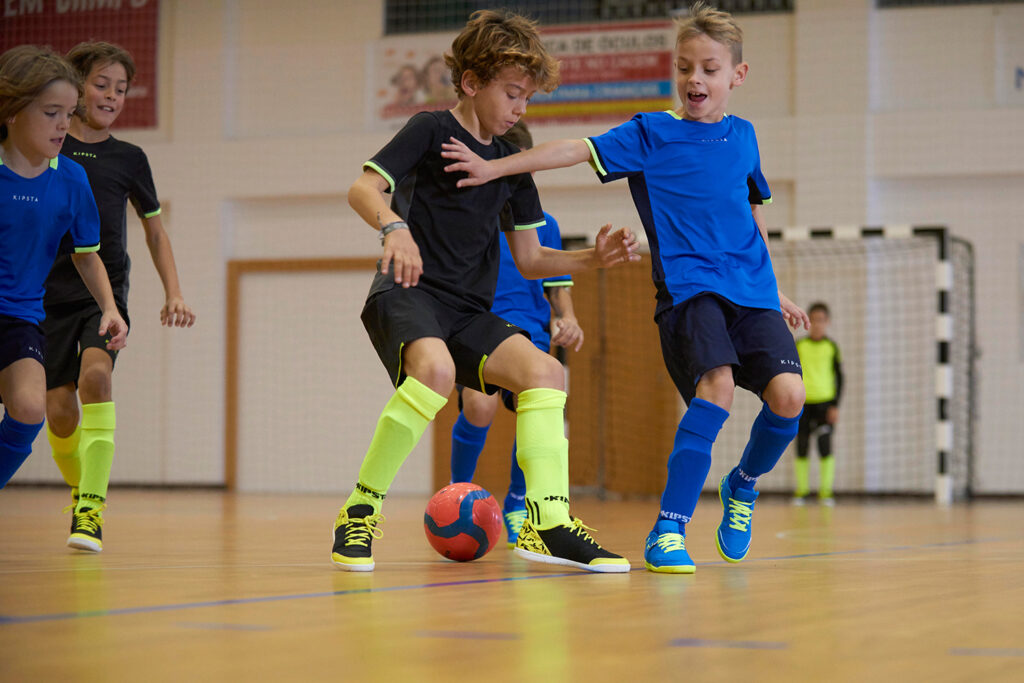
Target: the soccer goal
(902, 312)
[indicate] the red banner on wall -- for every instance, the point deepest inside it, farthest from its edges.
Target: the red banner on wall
(62, 24)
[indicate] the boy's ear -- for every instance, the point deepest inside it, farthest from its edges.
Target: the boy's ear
(740, 74)
(470, 83)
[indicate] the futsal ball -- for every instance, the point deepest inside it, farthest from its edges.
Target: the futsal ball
(462, 522)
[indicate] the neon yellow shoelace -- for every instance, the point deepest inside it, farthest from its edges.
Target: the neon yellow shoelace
(581, 529)
(739, 514)
(363, 529)
(89, 520)
(671, 541)
(515, 520)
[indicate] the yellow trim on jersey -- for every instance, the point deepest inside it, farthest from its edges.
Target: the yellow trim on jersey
(766, 202)
(480, 371)
(398, 375)
(54, 161)
(560, 283)
(531, 226)
(86, 250)
(673, 113)
(594, 162)
(152, 213)
(374, 167)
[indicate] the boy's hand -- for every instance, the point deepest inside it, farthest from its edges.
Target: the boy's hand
(466, 160)
(176, 313)
(793, 314)
(615, 248)
(400, 248)
(111, 322)
(566, 332)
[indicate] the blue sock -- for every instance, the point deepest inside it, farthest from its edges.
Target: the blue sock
(769, 436)
(516, 498)
(467, 442)
(15, 446)
(691, 459)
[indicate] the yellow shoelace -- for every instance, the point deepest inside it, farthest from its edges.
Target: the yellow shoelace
(671, 541)
(360, 533)
(515, 520)
(581, 529)
(739, 514)
(89, 520)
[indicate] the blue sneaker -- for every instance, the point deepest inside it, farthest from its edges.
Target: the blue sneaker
(514, 524)
(665, 549)
(733, 536)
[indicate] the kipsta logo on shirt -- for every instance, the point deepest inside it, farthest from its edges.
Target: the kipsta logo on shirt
(25, 198)
(90, 155)
(715, 140)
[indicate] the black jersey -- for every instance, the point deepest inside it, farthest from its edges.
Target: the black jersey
(456, 229)
(118, 171)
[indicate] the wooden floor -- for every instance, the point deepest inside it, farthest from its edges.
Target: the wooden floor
(219, 587)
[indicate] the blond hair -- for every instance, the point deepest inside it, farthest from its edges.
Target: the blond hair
(493, 40)
(719, 26)
(25, 72)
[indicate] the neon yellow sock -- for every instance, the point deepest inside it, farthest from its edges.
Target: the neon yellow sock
(802, 468)
(543, 454)
(96, 451)
(401, 424)
(828, 475)
(65, 454)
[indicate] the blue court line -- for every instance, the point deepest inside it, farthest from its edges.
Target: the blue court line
(145, 609)
(223, 627)
(739, 644)
(988, 651)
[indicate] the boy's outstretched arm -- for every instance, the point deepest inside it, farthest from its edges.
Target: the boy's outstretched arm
(94, 275)
(366, 196)
(554, 154)
(793, 314)
(535, 261)
(175, 312)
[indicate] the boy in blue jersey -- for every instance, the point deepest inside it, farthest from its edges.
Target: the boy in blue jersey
(78, 366)
(695, 177)
(428, 311)
(42, 196)
(543, 308)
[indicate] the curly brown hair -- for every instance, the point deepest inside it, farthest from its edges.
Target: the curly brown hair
(25, 72)
(493, 40)
(86, 56)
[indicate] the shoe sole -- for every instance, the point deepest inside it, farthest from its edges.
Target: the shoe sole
(718, 531)
(347, 567)
(551, 559)
(81, 543)
(671, 569)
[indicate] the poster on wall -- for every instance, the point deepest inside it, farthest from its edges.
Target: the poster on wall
(62, 24)
(609, 72)
(1009, 42)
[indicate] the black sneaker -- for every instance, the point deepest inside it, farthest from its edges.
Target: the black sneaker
(87, 530)
(569, 545)
(354, 531)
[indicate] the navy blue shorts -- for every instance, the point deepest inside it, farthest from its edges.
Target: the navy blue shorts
(71, 328)
(707, 331)
(20, 339)
(401, 315)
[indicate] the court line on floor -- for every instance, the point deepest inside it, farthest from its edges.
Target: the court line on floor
(6, 619)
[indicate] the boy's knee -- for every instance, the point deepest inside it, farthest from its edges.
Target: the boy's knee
(437, 375)
(717, 386)
(26, 407)
(785, 395)
(545, 372)
(479, 408)
(95, 385)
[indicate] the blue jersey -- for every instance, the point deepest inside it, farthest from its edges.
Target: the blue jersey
(521, 301)
(35, 213)
(693, 184)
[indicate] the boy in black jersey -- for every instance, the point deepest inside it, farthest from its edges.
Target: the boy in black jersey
(76, 356)
(428, 311)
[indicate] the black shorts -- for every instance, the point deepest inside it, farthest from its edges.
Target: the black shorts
(20, 339)
(814, 416)
(508, 399)
(707, 331)
(70, 329)
(401, 315)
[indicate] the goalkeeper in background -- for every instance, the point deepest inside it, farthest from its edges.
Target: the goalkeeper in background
(823, 381)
